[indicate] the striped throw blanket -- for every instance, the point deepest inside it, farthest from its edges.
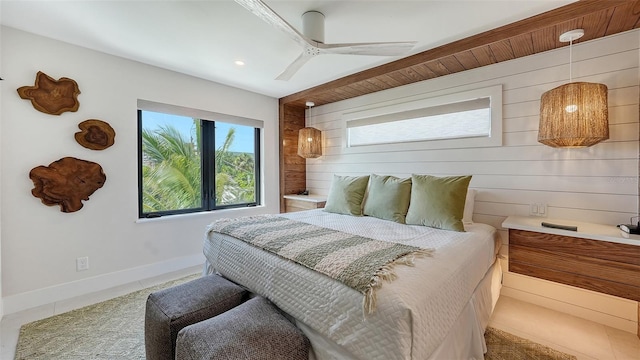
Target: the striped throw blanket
(358, 262)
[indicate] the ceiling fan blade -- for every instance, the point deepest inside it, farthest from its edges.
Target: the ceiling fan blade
(378, 49)
(264, 12)
(294, 66)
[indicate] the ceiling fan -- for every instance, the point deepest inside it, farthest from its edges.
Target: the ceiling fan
(312, 38)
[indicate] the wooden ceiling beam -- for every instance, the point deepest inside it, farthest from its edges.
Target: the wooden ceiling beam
(531, 35)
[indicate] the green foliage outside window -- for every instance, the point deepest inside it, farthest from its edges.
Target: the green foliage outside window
(172, 171)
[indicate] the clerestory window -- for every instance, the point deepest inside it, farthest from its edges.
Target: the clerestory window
(467, 119)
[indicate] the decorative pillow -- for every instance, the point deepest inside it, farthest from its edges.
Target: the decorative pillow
(438, 201)
(346, 194)
(388, 198)
(469, 203)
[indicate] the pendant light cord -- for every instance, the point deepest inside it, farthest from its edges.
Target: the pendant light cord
(307, 114)
(570, 60)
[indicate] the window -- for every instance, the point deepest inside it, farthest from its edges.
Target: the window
(191, 160)
(467, 119)
(470, 118)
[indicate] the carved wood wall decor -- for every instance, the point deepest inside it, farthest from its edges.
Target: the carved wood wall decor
(95, 134)
(66, 182)
(52, 96)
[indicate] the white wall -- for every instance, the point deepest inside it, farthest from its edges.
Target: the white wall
(39, 243)
(597, 184)
(1, 92)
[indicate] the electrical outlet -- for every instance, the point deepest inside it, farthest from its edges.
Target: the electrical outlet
(82, 263)
(542, 210)
(538, 209)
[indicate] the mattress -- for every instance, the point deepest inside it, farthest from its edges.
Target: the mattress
(414, 313)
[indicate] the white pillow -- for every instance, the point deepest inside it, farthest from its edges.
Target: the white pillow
(468, 207)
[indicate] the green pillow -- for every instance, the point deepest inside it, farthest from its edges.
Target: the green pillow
(438, 201)
(346, 194)
(388, 198)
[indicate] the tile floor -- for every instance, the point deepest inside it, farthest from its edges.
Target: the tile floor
(585, 339)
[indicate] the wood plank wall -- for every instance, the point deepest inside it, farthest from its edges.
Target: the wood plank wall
(292, 167)
(598, 184)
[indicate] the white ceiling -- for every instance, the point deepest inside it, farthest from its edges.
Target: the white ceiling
(204, 38)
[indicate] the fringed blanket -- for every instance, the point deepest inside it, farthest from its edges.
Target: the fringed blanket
(358, 262)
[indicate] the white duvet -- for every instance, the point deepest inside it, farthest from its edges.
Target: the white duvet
(414, 313)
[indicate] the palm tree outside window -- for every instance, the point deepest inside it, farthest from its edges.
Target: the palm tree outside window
(189, 165)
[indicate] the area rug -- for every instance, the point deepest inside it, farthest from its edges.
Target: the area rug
(114, 330)
(504, 346)
(110, 330)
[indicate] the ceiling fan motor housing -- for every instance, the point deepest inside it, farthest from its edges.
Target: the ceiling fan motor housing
(313, 25)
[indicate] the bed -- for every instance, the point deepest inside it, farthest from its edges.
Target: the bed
(438, 308)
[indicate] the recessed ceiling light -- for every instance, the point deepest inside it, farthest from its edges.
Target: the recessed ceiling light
(239, 62)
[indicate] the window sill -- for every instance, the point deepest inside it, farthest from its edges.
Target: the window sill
(212, 215)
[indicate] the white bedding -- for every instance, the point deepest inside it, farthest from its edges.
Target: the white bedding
(414, 313)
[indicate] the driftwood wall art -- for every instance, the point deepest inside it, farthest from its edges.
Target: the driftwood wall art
(95, 134)
(52, 96)
(67, 182)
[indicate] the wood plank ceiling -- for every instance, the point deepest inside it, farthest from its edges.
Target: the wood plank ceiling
(533, 35)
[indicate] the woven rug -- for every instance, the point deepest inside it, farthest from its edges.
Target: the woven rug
(504, 346)
(110, 330)
(114, 330)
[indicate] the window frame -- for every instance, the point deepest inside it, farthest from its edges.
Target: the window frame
(208, 184)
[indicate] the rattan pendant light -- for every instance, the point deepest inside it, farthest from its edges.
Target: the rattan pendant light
(574, 114)
(309, 140)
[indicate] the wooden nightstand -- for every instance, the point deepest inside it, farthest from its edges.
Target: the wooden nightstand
(596, 257)
(303, 202)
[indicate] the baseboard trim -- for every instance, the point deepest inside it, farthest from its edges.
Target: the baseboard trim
(31, 299)
(604, 309)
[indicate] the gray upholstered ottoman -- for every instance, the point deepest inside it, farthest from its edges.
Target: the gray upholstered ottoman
(254, 330)
(170, 310)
